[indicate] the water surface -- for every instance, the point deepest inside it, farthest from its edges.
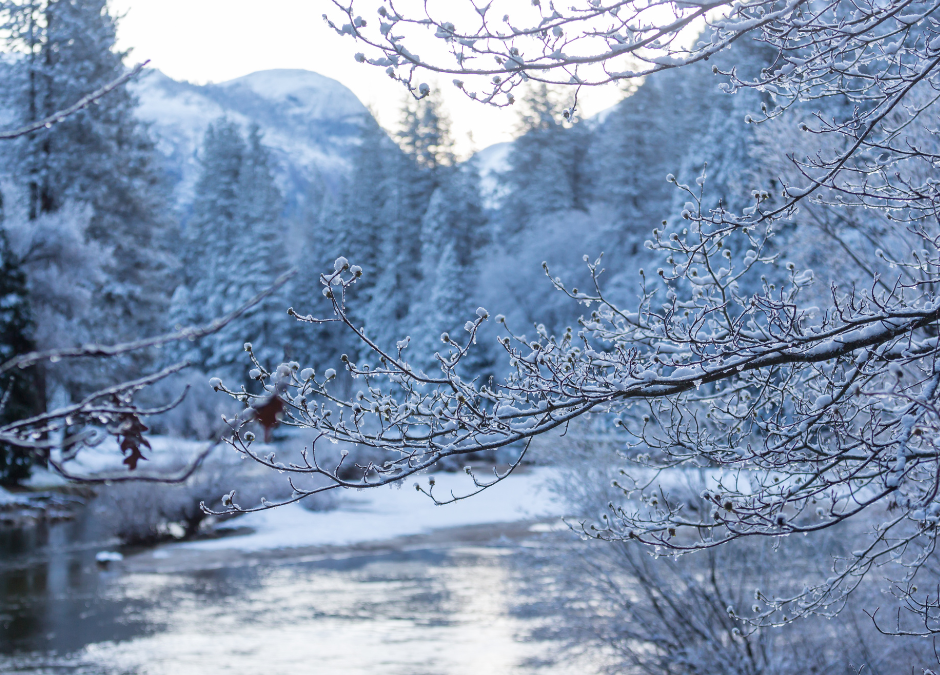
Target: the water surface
(427, 609)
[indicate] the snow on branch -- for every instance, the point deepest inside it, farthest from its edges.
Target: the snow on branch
(501, 45)
(880, 57)
(807, 416)
(111, 411)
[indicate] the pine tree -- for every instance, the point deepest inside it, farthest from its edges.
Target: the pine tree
(416, 173)
(364, 214)
(321, 233)
(453, 231)
(546, 164)
(722, 138)
(234, 249)
(644, 138)
(208, 233)
(101, 156)
(255, 257)
(21, 397)
(425, 135)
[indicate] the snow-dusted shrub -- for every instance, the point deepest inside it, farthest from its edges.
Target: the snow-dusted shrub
(147, 512)
(136, 513)
(640, 611)
(325, 501)
(639, 614)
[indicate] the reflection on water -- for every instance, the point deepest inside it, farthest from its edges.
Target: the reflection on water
(51, 594)
(440, 611)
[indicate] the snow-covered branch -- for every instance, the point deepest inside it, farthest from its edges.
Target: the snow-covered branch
(110, 411)
(82, 103)
(879, 59)
(809, 416)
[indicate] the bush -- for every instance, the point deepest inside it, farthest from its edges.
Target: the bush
(198, 416)
(679, 615)
(145, 513)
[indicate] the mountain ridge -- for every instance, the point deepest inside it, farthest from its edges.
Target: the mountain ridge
(309, 121)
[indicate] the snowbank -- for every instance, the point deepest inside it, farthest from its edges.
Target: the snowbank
(8, 499)
(166, 456)
(384, 513)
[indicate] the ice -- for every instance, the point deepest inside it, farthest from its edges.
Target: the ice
(108, 556)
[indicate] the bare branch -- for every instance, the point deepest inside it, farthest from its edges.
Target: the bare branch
(191, 333)
(81, 104)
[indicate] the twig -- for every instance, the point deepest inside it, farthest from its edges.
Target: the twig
(81, 104)
(192, 333)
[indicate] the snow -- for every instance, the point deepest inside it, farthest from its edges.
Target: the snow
(384, 513)
(108, 556)
(44, 479)
(166, 454)
(6, 498)
(300, 91)
(491, 162)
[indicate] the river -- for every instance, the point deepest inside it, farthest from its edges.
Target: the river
(434, 605)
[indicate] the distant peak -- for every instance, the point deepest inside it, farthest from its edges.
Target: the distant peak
(284, 80)
(299, 90)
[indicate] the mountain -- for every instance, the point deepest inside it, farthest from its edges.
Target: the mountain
(491, 162)
(309, 121)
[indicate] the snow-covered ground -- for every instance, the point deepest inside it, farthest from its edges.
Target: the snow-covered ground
(166, 455)
(8, 500)
(360, 516)
(384, 513)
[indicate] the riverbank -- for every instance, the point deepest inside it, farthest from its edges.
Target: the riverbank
(177, 560)
(368, 521)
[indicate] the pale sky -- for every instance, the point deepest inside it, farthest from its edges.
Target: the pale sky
(217, 40)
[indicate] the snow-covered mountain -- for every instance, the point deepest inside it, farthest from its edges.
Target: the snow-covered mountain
(490, 163)
(311, 122)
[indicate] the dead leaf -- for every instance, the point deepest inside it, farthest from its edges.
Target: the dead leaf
(132, 439)
(269, 414)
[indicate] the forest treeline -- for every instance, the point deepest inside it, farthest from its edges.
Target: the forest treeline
(94, 249)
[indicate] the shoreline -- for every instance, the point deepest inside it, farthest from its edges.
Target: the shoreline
(176, 558)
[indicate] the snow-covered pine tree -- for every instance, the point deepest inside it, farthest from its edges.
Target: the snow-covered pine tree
(425, 136)
(719, 134)
(21, 395)
(359, 228)
(101, 156)
(350, 224)
(453, 231)
(208, 234)
(234, 249)
(416, 173)
(547, 170)
(253, 256)
(641, 140)
(318, 232)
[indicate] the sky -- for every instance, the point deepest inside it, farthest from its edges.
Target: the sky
(217, 40)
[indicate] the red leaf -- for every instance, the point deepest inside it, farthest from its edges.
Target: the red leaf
(132, 459)
(132, 438)
(269, 414)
